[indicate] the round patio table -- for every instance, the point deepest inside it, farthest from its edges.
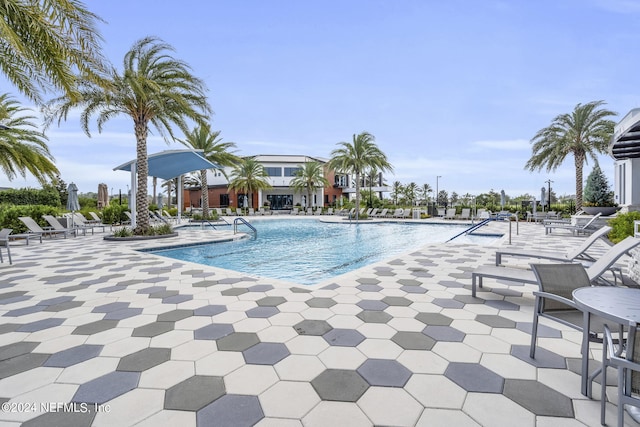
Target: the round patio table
(619, 305)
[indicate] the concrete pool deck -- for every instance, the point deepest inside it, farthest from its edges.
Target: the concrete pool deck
(97, 333)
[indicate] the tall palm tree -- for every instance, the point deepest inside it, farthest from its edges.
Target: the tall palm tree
(396, 190)
(22, 147)
(410, 191)
(154, 89)
(356, 157)
(309, 177)
(249, 176)
(214, 150)
(424, 191)
(583, 133)
(44, 43)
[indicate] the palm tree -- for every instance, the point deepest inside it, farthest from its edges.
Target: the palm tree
(153, 89)
(410, 191)
(396, 191)
(44, 43)
(583, 133)
(356, 157)
(23, 148)
(214, 150)
(309, 177)
(249, 176)
(425, 190)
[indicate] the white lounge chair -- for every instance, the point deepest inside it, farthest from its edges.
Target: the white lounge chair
(398, 213)
(594, 271)
(569, 256)
(4, 242)
(35, 229)
(465, 213)
(575, 229)
(450, 213)
(81, 221)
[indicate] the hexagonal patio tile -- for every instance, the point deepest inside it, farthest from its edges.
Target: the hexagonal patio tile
(73, 356)
(312, 327)
(539, 398)
(386, 373)
(174, 315)
(271, 301)
(475, 377)
(153, 329)
(373, 305)
(320, 302)
(214, 331)
(397, 301)
(444, 333)
(40, 325)
(340, 385)
(344, 337)
(237, 341)
(289, 400)
(265, 353)
(106, 387)
(107, 308)
(367, 281)
(435, 319)
(210, 310)
(234, 292)
(144, 359)
(370, 316)
(231, 411)
(262, 312)
(495, 321)
(194, 393)
(95, 327)
(413, 341)
(544, 358)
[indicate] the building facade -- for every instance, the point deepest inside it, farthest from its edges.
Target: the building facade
(281, 170)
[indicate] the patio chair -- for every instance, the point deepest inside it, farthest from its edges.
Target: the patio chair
(554, 298)
(569, 256)
(594, 271)
(450, 213)
(382, 213)
(294, 211)
(4, 241)
(80, 219)
(628, 365)
(57, 225)
(465, 213)
(35, 229)
(575, 229)
(441, 212)
(398, 213)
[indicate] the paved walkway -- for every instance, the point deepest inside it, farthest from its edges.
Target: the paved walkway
(97, 333)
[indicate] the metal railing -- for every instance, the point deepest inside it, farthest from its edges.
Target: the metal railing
(244, 221)
(472, 228)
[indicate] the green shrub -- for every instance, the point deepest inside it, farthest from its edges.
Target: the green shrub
(87, 203)
(31, 196)
(123, 232)
(596, 191)
(9, 216)
(622, 226)
(114, 214)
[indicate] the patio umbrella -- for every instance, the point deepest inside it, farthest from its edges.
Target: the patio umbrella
(72, 200)
(160, 201)
(103, 196)
(543, 196)
(502, 197)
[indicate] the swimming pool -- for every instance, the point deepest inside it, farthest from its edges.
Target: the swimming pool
(309, 251)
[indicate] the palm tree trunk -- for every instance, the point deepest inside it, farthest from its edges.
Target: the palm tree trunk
(205, 193)
(142, 169)
(155, 185)
(357, 195)
(579, 162)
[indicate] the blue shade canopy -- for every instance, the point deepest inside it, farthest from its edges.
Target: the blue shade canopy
(172, 163)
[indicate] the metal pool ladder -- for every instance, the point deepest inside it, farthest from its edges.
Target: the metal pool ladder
(242, 220)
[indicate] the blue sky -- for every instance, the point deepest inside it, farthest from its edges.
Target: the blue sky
(452, 88)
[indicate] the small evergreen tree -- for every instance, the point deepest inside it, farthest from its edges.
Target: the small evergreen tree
(596, 191)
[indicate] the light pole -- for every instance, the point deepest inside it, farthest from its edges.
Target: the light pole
(437, 193)
(549, 195)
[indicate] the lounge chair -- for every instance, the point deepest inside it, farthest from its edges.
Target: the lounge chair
(81, 221)
(465, 213)
(4, 241)
(294, 211)
(398, 213)
(382, 213)
(441, 212)
(329, 211)
(594, 271)
(36, 230)
(406, 213)
(57, 225)
(450, 213)
(554, 298)
(569, 256)
(575, 229)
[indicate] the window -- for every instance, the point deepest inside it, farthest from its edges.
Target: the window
(273, 171)
(291, 171)
(224, 200)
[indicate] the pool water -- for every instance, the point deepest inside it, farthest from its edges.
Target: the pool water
(310, 251)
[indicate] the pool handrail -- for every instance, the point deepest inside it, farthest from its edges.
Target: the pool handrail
(244, 221)
(472, 228)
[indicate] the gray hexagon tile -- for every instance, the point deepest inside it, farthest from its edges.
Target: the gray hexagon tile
(340, 385)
